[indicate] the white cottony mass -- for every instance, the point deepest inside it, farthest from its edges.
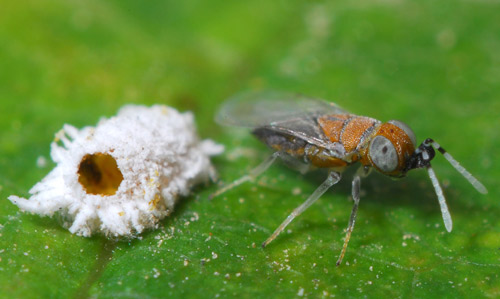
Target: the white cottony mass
(124, 175)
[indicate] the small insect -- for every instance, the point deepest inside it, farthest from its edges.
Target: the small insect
(311, 133)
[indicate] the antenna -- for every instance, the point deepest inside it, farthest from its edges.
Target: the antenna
(474, 182)
(422, 158)
(439, 192)
(442, 201)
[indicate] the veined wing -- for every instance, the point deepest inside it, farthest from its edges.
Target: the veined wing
(288, 113)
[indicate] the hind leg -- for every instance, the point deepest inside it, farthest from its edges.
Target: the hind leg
(250, 176)
(332, 179)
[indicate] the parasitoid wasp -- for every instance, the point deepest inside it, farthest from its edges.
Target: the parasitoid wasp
(313, 133)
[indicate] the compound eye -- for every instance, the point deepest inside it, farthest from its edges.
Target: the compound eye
(405, 128)
(383, 154)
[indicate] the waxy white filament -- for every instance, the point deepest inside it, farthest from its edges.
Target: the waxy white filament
(156, 150)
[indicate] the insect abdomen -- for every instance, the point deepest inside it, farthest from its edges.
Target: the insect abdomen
(299, 148)
(289, 144)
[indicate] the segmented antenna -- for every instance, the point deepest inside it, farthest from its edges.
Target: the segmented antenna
(442, 201)
(425, 153)
(474, 182)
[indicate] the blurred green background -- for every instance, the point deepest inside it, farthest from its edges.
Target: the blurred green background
(433, 64)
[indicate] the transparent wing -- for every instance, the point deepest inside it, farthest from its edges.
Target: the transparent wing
(258, 109)
(288, 113)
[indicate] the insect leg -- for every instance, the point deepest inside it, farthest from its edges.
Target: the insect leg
(295, 164)
(356, 186)
(252, 175)
(332, 179)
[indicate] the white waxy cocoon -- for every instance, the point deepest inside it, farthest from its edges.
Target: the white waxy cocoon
(124, 175)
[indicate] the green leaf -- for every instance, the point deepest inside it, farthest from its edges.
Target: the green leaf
(434, 65)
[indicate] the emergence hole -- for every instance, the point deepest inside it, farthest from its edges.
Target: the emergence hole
(99, 174)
